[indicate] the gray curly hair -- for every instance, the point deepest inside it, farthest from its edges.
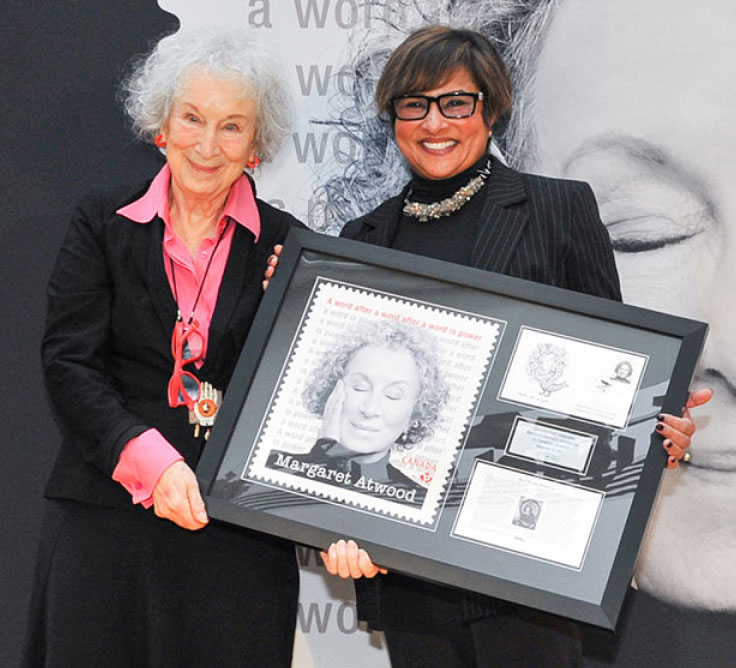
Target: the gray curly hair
(149, 91)
(432, 393)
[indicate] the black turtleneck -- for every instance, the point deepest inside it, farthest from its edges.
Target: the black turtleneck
(448, 238)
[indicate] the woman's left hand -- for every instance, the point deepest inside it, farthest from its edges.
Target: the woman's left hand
(678, 432)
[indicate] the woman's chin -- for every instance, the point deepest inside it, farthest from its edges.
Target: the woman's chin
(690, 538)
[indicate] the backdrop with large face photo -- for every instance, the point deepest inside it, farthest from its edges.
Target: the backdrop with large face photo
(634, 96)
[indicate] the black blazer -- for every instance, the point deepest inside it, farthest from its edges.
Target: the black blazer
(107, 344)
(533, 227)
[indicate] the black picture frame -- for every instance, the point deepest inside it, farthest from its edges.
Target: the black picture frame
(582, 461)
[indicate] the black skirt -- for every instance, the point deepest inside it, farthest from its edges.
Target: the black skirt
(121, 588)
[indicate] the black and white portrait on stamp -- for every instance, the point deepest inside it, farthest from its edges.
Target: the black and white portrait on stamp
(374, 400)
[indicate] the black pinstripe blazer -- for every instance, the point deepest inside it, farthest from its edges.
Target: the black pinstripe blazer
(536, 228)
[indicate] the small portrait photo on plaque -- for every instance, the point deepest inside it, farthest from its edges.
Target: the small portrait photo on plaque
(620, 376)
(527, 513)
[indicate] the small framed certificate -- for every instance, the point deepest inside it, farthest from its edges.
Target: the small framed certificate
(549, 520)
(468, 428)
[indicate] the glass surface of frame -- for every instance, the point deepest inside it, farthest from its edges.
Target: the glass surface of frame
(469, 428)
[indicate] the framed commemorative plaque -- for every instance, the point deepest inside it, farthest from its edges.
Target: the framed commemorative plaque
(465, 427)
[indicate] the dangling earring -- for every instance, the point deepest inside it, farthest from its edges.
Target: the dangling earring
(253, 162)
(159, 140)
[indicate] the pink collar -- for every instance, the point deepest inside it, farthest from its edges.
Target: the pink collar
(240, 206)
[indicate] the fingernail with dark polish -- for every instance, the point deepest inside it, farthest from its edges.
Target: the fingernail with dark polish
(659, 427)
(660, 417)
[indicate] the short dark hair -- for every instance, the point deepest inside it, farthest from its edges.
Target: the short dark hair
(431, 55)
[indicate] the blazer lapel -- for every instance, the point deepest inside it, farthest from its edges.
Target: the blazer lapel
(158, 284)
(231, 286)
(381, 225)
(501, 224)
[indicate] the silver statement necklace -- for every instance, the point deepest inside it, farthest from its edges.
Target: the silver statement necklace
(445, 207)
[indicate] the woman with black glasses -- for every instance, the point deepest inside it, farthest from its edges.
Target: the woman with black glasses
(443, 90)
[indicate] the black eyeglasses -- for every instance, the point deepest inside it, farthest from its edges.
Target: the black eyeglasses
(451, 105)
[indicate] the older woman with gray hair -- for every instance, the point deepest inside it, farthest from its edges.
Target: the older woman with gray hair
(149, 303)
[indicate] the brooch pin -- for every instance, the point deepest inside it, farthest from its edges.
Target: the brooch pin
(205, 409)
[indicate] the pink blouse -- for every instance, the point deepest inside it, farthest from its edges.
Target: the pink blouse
(147, 456)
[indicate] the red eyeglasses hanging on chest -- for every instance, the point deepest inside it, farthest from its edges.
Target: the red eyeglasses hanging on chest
(187, 346)
(184, 340)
